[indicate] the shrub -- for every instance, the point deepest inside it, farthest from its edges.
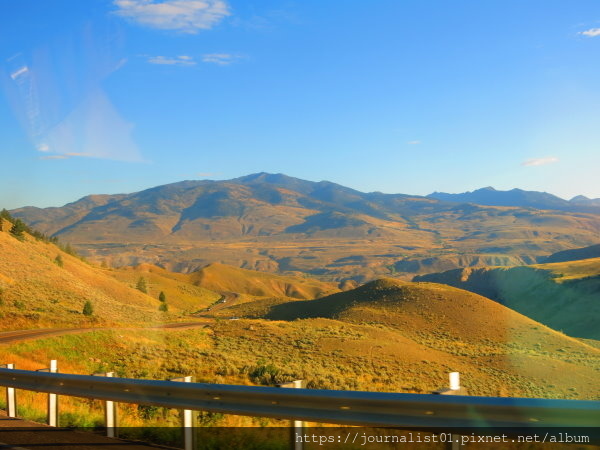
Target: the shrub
(163, 307)
(58, 261)
(162, 297)
(88, 308)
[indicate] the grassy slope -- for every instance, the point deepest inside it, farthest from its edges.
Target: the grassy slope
(456, 328)
(224, 278)
(178, 289)
(564, 296)
(36, 292)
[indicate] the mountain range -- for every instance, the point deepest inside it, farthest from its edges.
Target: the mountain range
(277, 223)
(520, 198)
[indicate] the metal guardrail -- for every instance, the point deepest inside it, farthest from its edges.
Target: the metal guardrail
(323, 406)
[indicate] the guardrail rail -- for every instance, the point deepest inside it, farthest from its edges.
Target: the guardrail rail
(436, 413)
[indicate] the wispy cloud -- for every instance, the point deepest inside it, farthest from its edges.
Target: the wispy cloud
(87, 155)
(54, 157)
(413, 142)
(592, 32)
(207, 174)
(187, 16)
(183, 60)
(540, 161)
(222, 59)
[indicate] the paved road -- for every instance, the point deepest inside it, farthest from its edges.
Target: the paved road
(227, 299)
(8, 337)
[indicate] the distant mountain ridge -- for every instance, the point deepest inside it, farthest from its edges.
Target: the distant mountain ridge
(520, 198)
(277, 223)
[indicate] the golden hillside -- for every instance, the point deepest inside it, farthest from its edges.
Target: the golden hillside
(38, 290)
(384, 336)
(178, 288)
(224, 278)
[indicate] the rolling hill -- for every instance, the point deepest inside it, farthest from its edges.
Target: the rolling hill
(564, 295)
(276, 223)
(198, 290)
(435, 325)
(223, 278)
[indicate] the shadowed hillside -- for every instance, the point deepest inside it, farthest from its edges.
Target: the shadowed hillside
(564, 296)
(277, 223)
(593, 251)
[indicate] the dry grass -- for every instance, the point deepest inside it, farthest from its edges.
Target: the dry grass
(36, 292)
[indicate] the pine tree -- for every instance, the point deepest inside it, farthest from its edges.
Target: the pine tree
(88, 308)
(6, 215)
(18, 229)
(162, 297)
(141, 285)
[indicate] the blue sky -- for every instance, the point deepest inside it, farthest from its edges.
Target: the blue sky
(412, 97)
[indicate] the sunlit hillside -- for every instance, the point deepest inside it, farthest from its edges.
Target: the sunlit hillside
(42, 286)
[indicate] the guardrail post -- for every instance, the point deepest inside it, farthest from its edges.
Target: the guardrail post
(53, 399)
(187, 420)
(453, 389)
(110, 411)
(11, 399)
(297, 425)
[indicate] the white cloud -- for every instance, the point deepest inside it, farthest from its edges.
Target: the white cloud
(187, 16)
(413, 142)
(221, 59)
(540, 161)
(592, 32)
(172, 60)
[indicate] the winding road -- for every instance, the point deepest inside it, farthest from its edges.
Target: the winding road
(9, 337)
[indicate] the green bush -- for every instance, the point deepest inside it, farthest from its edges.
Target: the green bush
(88, 308)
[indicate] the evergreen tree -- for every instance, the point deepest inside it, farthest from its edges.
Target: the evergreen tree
(162, 297)
(4, 214)
(18, 229)
(163, 307)
(88, 308)
(141, 285)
